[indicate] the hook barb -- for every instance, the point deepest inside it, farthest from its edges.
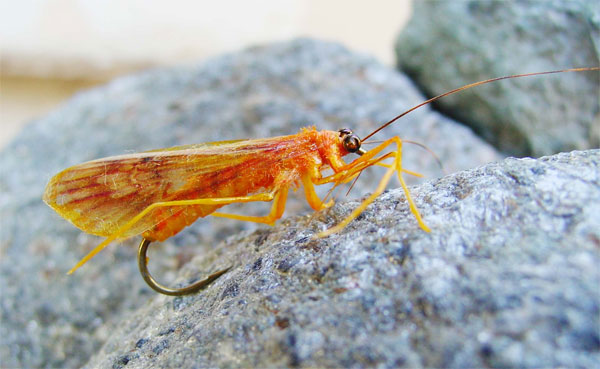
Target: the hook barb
(194, 287)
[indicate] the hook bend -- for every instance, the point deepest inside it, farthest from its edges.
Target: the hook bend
(194, 287)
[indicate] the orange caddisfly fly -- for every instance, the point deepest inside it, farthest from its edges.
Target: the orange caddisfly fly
(157, 193)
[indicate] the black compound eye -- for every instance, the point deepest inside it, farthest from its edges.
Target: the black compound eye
(351, 143)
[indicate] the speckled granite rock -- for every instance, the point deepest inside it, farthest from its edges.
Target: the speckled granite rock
(51, 320)
(451, 43)
(508, 277)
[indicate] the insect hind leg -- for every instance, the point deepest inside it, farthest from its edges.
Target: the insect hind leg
(209, 201)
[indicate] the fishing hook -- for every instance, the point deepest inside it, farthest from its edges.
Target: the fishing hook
(194, 287)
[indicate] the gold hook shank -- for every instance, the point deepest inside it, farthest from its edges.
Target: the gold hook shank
(143, 265)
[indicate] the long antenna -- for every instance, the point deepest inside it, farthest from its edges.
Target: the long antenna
(473, 85)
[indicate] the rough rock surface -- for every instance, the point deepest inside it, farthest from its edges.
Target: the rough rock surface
(49, 319)
(451, 43)
(508, 277)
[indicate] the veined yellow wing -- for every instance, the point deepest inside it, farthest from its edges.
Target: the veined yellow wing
(101, 195)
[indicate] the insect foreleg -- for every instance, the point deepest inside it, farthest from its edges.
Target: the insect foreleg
(399, 170)
(277, 210)
(366, 160)
(404, 170)
(370, 155)
(352, 170)
(396, 167)
(411, 203)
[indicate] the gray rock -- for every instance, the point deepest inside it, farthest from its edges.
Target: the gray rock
(448, 44)
(49, 319)
(508, 277)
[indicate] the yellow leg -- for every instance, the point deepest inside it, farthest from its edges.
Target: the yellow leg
(404, 170)
(358, 168)
(411, 203)
(276, 210)
(356, 212)
(368, 156)
(147, 210)
(365, 161)
(311, 196)
(348, 173)
(396, 167)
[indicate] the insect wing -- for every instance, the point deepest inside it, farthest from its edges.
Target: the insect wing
(102, 195)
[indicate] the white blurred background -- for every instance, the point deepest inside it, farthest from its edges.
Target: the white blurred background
(50, 49)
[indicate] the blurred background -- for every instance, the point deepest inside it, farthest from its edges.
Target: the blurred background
(49, 50)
